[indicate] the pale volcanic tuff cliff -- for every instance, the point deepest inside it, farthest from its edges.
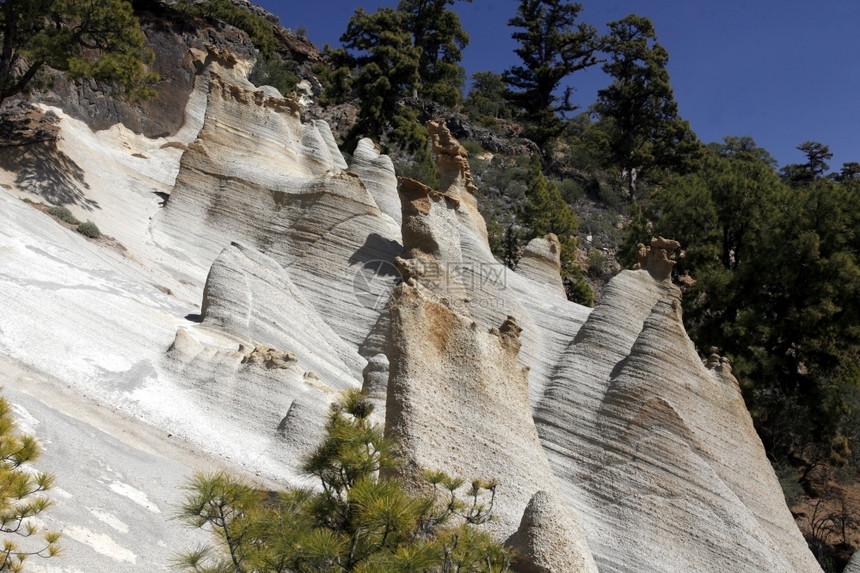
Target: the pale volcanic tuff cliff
(252, 274)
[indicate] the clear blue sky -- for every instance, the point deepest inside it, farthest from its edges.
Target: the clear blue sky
(780, 71)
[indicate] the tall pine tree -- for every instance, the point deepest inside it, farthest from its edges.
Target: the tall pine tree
(639, 106)
(552, 47)
(438, 33)
(377, 64)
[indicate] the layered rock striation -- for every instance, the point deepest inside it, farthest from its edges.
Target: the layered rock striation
(540, 260)
(257, 175)
(648, 443)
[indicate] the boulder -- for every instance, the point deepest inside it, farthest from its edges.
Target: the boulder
(542, 542)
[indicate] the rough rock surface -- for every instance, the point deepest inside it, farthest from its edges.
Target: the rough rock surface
(656, 258)
(495, 292)
(431, 240)
(377, 172)
(452, 159)
(376, 383)
(542, 542)
(250, 295)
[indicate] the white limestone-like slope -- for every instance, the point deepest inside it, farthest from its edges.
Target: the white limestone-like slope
(656, 452)
(248, 281)
(257, 175)
(117, 320)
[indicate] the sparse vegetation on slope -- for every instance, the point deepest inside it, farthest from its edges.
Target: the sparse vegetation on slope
(89, 229)
(63, 214)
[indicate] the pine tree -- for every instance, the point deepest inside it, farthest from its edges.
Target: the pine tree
(21, 498)
(552, 46)
(360, 520)
(439, 35)
(817, 156)
(639, 106)
(97, 39)
(546, 211)
(378, 65)
(486, 100)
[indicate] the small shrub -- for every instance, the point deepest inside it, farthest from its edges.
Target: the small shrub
(596, 263)
(472, 147)
(419, 167)
(844, 475)
(787, 476)
(478, 165)
(511, 177)
(274, 71)
(63, 214)
(578, 290)
(89, 229)
(571, 190)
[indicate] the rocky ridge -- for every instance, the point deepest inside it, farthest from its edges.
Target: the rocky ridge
(262, 274)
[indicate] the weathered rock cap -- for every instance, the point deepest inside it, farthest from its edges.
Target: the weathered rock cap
(431, 235)
(416, 197)
(657, 259)
(541, 262)
(452, 159)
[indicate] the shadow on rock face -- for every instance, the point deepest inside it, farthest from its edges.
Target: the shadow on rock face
(44, 170)
(375, 249)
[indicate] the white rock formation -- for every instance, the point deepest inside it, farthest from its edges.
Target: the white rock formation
(231, 315)
(458, 402)
(257, 175)
(649, 444)
(377, 173)
(542, 542)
